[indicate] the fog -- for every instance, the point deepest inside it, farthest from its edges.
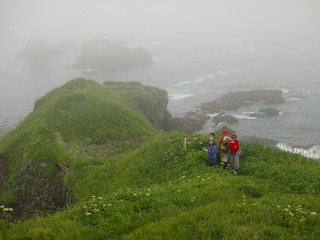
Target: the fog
(279, 26)
(202, 49)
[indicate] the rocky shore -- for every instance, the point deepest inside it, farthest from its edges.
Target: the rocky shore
(216, 109)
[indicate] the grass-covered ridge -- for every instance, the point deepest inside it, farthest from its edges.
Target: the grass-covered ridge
(158, 190)
(81, 116)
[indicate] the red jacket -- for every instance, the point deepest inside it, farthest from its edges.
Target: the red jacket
(234, 147)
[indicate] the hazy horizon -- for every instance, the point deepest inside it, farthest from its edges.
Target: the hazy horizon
(283, 26)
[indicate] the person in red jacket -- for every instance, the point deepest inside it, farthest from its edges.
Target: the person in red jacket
(234, 147)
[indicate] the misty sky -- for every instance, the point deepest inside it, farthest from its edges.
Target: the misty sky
(281, 25)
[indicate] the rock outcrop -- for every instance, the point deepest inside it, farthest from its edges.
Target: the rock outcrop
(266, 112)
(151, 101)
(231, 102)
(103, 55)
(38, 49)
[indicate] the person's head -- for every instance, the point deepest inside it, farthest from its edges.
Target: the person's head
(234, 136)
(211, 142)
(224, 132)
(211, 135)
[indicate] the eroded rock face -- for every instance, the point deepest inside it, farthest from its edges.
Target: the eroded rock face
(40, 192)
(41, 188)
(103, 55)
(4, 163)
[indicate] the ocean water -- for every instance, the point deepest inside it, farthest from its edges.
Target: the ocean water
(191, 76)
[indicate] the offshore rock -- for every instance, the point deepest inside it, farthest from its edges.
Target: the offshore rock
(104, 55)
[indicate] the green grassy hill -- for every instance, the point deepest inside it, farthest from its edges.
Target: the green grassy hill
(150, 187)
(81, 118)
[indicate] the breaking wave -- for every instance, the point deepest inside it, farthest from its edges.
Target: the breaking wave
(179, 96)
(243, 117)
(312, 152)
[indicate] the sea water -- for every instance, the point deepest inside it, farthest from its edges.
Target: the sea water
(191, 76)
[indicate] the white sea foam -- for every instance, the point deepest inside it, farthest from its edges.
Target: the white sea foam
(208, 76)
(213, 115)
(196, 110)
(182, 83)
(179, 96)
(292, 99)
(243, 117)
(313, 152)
(197, 80)
(284, 90)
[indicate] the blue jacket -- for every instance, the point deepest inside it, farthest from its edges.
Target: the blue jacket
(212, 151)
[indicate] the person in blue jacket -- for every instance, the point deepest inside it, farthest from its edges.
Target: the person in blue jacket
(212, 153)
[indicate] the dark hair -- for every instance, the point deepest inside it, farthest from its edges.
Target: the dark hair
(212, 133)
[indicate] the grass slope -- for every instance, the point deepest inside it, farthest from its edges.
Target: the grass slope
(161, 191)
(158, 190)
(81, 116)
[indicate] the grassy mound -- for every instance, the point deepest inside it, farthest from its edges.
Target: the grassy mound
(67, 124)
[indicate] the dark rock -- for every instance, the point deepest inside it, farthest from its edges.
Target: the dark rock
(232, 102)
(267, 96)
(225, 118)
(269, 112)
